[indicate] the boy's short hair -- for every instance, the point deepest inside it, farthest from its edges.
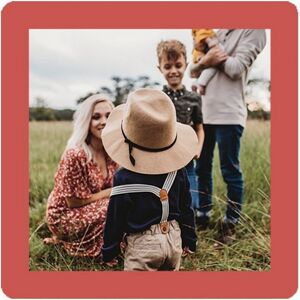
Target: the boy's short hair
(172, 49)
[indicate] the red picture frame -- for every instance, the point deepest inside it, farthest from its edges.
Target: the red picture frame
(18, 18)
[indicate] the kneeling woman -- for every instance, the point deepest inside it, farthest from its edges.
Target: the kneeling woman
(77, 206)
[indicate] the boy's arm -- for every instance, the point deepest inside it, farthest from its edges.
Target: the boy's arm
(115, 224)
(250, 45)
(187, 218)
(197, 119)
(200, 135)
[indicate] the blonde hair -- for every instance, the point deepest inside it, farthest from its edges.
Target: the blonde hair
(171, 49)
(81, 122)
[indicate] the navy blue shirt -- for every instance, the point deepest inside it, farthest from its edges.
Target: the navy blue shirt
(136, 212)
(188, 105)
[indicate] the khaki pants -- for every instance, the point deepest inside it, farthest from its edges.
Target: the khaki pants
(152, 250)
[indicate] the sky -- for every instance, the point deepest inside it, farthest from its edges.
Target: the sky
(67, 64)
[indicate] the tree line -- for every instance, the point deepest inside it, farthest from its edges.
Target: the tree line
(119, 90)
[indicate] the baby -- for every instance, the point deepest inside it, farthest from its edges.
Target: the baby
(204, 40)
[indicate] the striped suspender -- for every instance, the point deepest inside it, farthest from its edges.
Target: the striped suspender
(165, 203)
(135, 188)
(146, 188)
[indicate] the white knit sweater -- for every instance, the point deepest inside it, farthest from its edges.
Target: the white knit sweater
(224, 102)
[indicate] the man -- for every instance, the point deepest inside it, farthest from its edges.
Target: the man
(224, 117)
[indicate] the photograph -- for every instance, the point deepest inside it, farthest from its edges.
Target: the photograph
(77, 78)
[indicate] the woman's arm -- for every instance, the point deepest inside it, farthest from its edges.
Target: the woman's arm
(76, 202)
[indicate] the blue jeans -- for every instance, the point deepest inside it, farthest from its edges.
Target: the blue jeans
(228, 139)
(190, 168)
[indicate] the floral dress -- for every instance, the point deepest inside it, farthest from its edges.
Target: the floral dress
(80, 230)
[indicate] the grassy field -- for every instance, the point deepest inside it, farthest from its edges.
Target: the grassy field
(250, 252)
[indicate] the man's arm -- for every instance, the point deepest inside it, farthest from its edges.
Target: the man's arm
(214, 57)
(250, 45)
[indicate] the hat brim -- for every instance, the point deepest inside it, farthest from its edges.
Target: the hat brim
(174, 158)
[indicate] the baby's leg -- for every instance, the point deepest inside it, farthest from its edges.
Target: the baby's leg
(202, 89)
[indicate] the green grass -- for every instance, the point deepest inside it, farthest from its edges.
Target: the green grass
(251, 251)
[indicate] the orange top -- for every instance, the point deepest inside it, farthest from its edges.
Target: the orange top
(199, 35)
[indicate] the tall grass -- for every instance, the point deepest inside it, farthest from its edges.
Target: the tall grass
(251, 251)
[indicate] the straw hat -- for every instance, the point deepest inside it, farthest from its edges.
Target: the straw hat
(143, 136)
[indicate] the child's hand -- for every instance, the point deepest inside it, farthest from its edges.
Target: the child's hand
(211, 42)
(123, 245)
(186, 251)
(194, 88)
(202, 89)
(199, 149)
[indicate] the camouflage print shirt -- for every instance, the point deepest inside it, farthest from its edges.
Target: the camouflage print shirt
(187, 104)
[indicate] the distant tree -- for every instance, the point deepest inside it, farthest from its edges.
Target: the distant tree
(261, 83)
(41, 112)
(85, 97)
(63, 114)
(255, 108)
(121, 87)
(259, 115)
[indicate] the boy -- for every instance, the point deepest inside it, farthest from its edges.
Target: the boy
(172, 64)
(150, 200)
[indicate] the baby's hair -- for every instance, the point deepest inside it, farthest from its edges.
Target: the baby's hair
(172, 49)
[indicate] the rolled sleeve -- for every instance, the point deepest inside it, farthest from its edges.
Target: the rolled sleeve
(73, 175)
(251, 44)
